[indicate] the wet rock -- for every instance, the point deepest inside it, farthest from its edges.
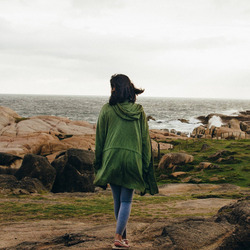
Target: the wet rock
(36, 166)
(75, 171)
(173, 131)
(150, 118)
(183, 120)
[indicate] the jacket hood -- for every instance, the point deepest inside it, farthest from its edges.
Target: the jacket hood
(128, 111)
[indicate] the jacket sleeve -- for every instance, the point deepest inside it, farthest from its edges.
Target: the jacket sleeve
(101, 128)
(146, 144)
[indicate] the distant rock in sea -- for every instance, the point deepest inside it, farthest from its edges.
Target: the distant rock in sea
(223, 126)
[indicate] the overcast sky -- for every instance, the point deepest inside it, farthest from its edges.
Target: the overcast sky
(172, 48)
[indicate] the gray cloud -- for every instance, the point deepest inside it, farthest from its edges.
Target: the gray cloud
(165, 46)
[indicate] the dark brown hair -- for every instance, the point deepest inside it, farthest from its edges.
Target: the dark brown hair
(123, 89)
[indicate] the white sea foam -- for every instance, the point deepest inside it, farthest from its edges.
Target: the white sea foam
(231, 112)
(176, 124)
(215, 121)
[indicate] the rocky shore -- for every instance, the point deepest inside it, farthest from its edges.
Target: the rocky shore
(64, 145)
(49, 135)
(230, 127)
(51, 158)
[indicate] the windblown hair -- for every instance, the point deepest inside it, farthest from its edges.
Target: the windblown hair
(123, 89)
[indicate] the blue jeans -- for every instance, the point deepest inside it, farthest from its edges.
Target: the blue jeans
(122, 205)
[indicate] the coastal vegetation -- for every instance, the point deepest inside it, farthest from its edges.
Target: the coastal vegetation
(99, 206)
(46, 182)
(229, 162)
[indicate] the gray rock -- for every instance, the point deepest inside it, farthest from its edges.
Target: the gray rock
(244, 126)
(36, 166)
(9, 163)
(75, 172)
(10, 185)
(229, 229)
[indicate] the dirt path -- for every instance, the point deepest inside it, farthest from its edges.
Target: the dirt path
(73, 234)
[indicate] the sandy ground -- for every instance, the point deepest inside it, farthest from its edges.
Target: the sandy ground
(73, 234)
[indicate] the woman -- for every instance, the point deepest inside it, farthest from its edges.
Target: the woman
(123, 151)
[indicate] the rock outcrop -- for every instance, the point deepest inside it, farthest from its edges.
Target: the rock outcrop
(9, 163)
(162, 146)
(35, 166)
(10, 185)
(172, 159)
(74, 171)
(231, 127)
(42, 135)
(162, 135)
(229, 229)
(7, 116)
(237, 214)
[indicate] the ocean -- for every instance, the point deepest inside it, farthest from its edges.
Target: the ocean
(165, 111)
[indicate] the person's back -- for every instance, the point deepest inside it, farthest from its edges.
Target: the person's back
(123, 125)
(123, 151)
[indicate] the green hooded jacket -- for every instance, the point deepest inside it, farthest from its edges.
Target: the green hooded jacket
(123, 148)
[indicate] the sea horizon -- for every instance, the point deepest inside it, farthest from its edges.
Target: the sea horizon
(138, 97)
(166, 111)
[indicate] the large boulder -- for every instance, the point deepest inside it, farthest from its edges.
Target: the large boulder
(9, 163)
(237, 214)
(75, 172)
(36, 166)
(199, 130)
(163, 146)
(172, 159)
(10, 185)
(229, 229)
(49, 125)
(234, 124)
(42, 135)
(244, 126)
(22, 145)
